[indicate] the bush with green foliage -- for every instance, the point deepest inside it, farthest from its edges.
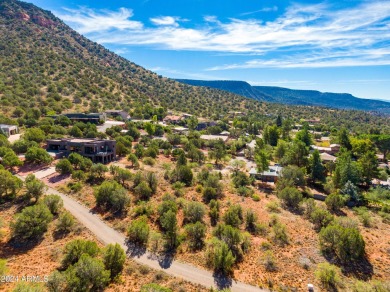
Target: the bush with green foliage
(114, 258)
(88, 274)
(193, 212)
(219, 256)
(97, 171)
(75, 249)
(8, 158)
(320, 218)
(138, 231)
(112, 196)
(35, 135)
(214, 212)
(65, 222)
(79, 162)
(31, 223)
(334, 202)
(280, 234)
(64, 166)
(9, 184)
(38, 155)
(54, 203)
(328, 275)
(240, 179)
(196, 233)
(233, 216)
(168, 223)
(269, 261)
(346, 243)
(291, 197)
(34, 187)
(153, 287)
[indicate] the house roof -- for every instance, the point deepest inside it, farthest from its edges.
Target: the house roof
(327, 157)
(214, 137)
(173, 118)
(273, 170)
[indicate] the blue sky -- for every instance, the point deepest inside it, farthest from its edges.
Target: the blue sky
(334, 46)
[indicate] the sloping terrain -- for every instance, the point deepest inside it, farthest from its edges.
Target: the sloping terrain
(295, 97)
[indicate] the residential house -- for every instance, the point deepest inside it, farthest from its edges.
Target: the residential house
(171, 119)
(97, 150)
(93, 118)
(214, 137)
(180, 130)
(332, 149)
(270, 175)
(9, 130)
(325, 157)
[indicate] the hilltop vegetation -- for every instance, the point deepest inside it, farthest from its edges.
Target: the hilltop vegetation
(48, 67)
(296, 97)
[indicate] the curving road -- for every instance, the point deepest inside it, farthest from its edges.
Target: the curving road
(109, 235)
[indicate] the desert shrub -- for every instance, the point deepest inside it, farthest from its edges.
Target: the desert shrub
(193, 212)
(245, 191)
(214, 212)
(233, 216)
(328, 275)
(149, 161)
(76, 248)
(79, 175)
(219, 256)
(31, 223)
(54, 203)
(273, 207)
(256, 198)
(114, 258)
(280, 233)
(112, 196)
(334, 202)
(209, 193)
(38, 155)
(143, 208)
(168, 222)
(88, 274)
(34, 187)
(153, 287)
(64, 166)
(310, 207)
(347, 244)
(75, 187)
(321, 218)
(291, 197)
(269, 261)
(240, 179)
(139, 230)
(196, 233)
(250, 221)
(65, 222)
(364, 216)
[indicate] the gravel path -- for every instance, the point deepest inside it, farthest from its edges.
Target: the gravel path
(109, 235)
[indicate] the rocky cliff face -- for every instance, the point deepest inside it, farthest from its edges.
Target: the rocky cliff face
(13, 10)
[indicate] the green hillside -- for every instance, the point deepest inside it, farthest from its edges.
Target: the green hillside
(295, 97)
(46, 65)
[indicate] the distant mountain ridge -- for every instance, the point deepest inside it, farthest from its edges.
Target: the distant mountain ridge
(294, 96)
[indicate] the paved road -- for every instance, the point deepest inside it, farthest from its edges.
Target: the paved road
(108, 235)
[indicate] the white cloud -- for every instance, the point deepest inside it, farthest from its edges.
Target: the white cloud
(86, 20)
(165, 20)
(303, 36)
(265, 9)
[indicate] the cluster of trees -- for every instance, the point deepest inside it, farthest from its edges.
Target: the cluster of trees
(86, 267)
